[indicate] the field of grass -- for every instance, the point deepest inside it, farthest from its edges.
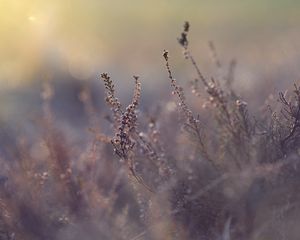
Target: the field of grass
(198, 161)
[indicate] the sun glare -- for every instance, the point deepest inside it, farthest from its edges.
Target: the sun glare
(32, 18)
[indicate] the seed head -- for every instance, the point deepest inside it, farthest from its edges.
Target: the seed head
(166, 55)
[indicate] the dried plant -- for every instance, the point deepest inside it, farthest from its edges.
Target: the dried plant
(126, 134)
(215, 173)
(291, 114)
(192, 125)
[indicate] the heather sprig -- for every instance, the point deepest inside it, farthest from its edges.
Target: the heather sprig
(125, 137)
(123, 140)
(111, 99)
(192, 125)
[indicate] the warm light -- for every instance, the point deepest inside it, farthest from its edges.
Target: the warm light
(32, 18)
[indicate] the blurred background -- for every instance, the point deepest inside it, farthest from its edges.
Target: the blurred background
(72, 41)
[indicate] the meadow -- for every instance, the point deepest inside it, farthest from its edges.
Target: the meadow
(198, 162)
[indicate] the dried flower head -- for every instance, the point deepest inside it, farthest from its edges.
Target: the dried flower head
(186, 26)
(166, 55)
(111, 99)
(183, 41)
(124, 121)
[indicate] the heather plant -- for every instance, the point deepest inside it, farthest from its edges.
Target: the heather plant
(221, 173)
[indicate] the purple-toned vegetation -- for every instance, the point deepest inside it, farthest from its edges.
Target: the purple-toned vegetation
(211, 170)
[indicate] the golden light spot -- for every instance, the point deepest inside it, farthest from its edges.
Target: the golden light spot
(32, 18)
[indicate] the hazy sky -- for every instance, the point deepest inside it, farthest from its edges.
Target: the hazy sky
(83, 37)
